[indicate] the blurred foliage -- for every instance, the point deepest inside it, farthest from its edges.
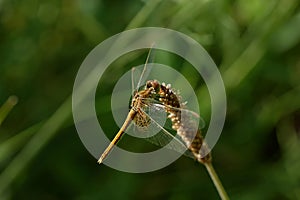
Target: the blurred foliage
(256, 45)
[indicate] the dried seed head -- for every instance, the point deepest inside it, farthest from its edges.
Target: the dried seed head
(183, 128)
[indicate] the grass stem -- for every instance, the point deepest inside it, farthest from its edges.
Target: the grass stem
(217, 182)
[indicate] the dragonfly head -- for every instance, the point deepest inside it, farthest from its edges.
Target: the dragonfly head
(153, 84)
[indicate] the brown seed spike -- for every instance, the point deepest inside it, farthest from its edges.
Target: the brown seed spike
(171, 101)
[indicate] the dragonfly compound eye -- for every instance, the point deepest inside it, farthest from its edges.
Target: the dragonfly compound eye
(148, 84)
(153, 84)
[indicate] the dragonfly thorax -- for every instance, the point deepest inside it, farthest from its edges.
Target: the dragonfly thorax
(151, 90)
(139, 98)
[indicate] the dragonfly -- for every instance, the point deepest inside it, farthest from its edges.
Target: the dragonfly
(148, 104)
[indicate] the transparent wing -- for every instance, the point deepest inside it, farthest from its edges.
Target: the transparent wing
(191, 115)
(151, 124)
(164, 138)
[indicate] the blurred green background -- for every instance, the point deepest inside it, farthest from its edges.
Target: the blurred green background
(255, 44)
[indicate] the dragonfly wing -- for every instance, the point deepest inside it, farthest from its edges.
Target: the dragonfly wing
(165, 139)
(188, 114)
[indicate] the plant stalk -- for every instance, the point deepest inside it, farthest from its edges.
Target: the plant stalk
(217, 182)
